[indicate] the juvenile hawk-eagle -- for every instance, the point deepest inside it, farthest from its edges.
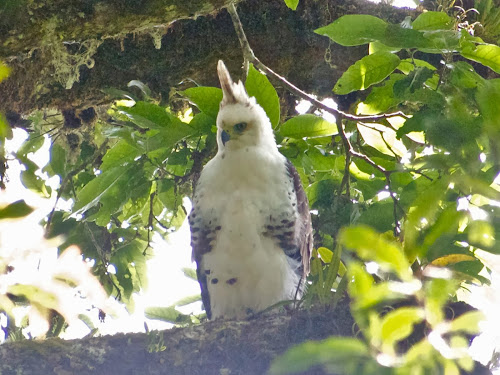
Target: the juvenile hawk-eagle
(250, 225)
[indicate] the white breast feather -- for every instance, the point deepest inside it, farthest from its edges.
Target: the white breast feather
(244, 190)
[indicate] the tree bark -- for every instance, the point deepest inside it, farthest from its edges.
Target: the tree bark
(214, 348)
(64, 53)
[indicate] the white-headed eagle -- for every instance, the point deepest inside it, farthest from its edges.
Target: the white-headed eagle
(251, 228)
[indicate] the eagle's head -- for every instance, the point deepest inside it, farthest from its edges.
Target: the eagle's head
(241, 122)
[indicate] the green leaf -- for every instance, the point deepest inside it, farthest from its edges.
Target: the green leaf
(380, 215)
(99, 187)
(408, 65)
(325, 254)
(58, 162)
(5, 129)
(361, 282)
(398, 324)
(148, 115)
(32, 144)
(463, 75)
(319, 162)
(258, 86)
(369, 70)
(190, 273)
(432, 21)
(33, 182)
(486, 54)
(35, 295)
(131, 270)
(371, 246)
(292, 4)
(381, 98)
(354, 30)
(120, 154)
(166, 314)
(4, 71)
(468, 322)
(335, 351)
(307, 126)
(481, 234)
(488, 97)
(15, 210)
(438, 292)
(202, 123)
(207, 99)
(382, 139)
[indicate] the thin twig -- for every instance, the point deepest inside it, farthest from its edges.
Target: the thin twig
(248, 55)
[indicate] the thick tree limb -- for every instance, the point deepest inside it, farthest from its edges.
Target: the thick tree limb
(213, 348)
(89, 46)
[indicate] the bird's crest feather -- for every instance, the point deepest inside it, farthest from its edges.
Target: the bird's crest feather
(232, 92)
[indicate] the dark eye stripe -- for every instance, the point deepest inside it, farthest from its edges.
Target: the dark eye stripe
(239, 127)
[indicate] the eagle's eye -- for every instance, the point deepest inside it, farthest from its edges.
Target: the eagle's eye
(240, 126)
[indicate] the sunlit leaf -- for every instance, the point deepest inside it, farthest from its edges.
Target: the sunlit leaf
(468, 322)
(398, 324)
(370, 245)
(333, 351)
(481, 233)
(353, 30)
(190, 273)
(292, 4)
(4, 71)
(35, 294)
(325, 254)
(207, 99)
(382, 139)
(380, 98)
(15, 210)
(32, 144)
(486, 54)
(432, 21)
(7, 305)
(307, 126)
(451, 259)
(34, 182)
(369, 70)
(258, 86)
(383, 292)
(438, 291)
(361, 282)
(5, 129)
(166, 314)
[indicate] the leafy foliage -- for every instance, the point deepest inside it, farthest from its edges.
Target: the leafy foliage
(426, 174)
